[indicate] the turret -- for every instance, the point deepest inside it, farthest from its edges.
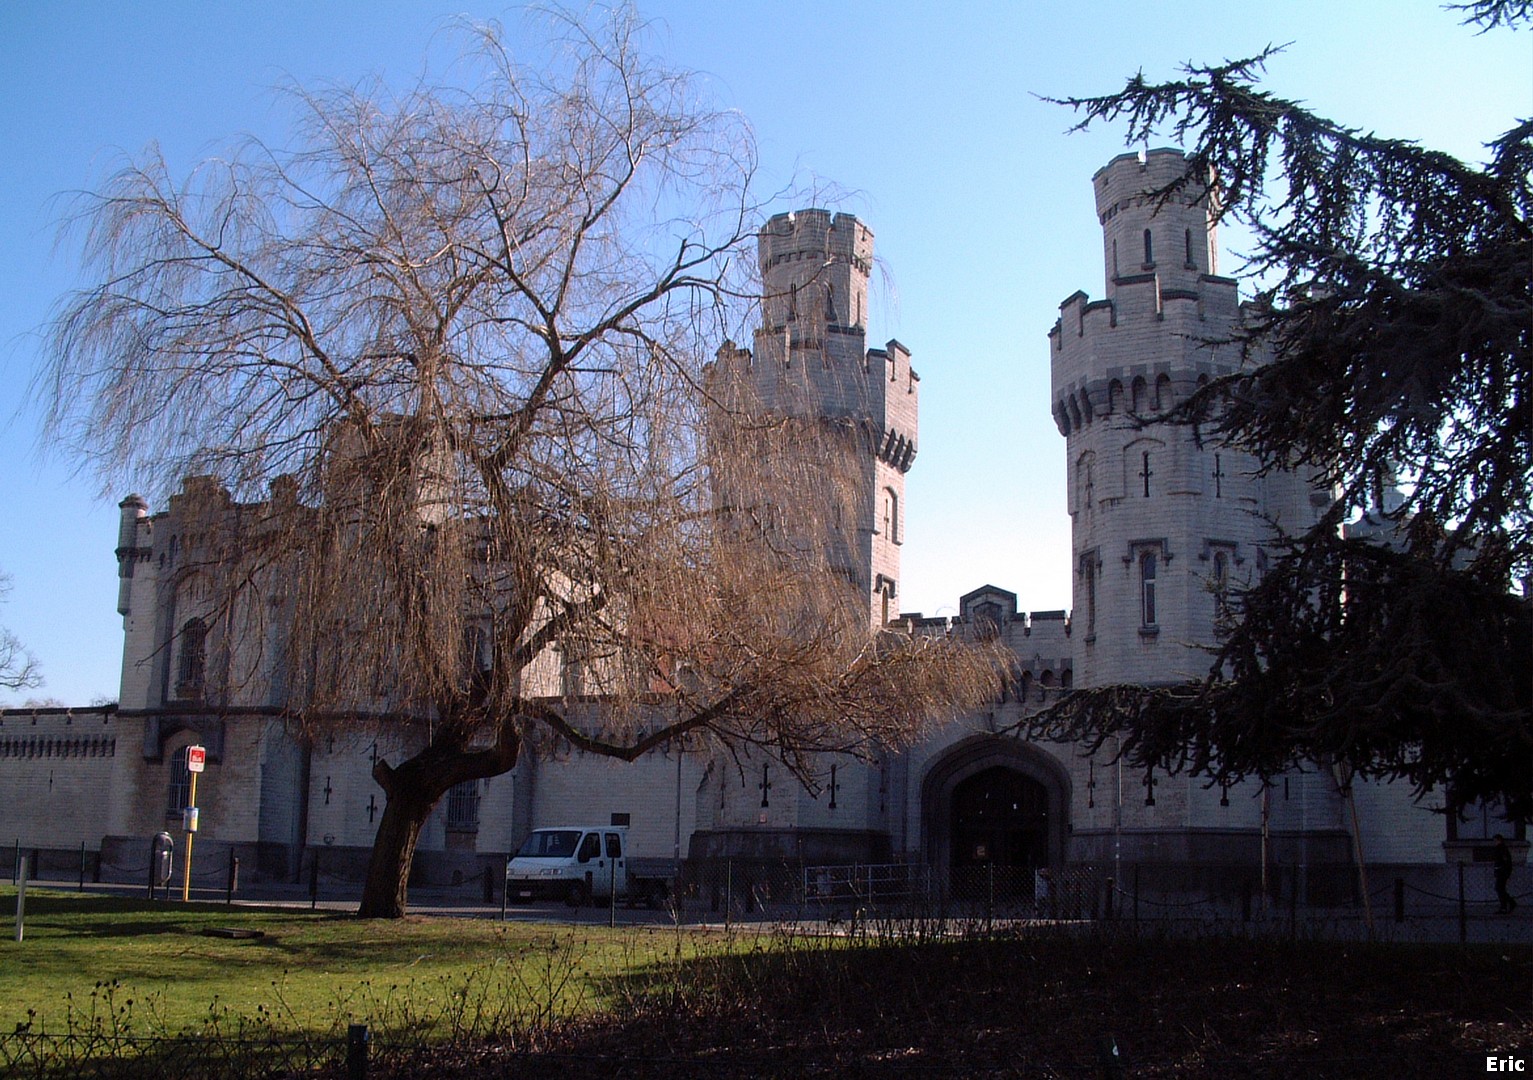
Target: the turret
(1173, 236)
(810, 362)
(134, 514)
(1166, 521)
(814, 274)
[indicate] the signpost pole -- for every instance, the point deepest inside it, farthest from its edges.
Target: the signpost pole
(196, 761)
(186, 866)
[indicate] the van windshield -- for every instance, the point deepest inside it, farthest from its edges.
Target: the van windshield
(550, 844)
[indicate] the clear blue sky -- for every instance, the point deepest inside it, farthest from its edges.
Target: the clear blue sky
(981, 205)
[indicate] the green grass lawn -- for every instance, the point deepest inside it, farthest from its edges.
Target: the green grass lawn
(307, 972)
(470, 997)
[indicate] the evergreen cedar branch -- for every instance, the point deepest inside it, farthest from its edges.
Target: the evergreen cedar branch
(462, 337)
(1392, 333)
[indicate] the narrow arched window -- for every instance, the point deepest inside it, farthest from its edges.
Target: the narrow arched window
(1221, 585)
(1137, 394)
(192, 668)
(891, 515)
(1190, 264)
(1147, 570)
(1149, 249)
(1089, 583)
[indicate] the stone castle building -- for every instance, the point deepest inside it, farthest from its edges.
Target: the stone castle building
(1163, 526)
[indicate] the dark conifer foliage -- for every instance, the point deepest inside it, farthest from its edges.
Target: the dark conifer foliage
(1390, 337)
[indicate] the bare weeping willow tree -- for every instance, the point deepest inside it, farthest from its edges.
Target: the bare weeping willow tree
(464, 338)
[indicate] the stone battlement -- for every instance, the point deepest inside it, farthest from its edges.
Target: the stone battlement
(808, 235)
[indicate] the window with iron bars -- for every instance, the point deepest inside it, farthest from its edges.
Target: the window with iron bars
(463, 805)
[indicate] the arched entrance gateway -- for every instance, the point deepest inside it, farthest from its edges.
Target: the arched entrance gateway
(994, 809)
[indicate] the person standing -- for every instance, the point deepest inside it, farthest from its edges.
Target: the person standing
(1503, 867)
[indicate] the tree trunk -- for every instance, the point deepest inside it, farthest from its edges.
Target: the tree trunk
(410, 791)
(388, 869)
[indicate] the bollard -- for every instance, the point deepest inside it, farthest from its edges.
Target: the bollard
(21, 900)
(357, 1038)
(234, 877)
(1399, 899)
(1109, 1059)
(505, 889)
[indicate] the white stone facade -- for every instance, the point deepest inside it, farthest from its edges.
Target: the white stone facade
(1161, 523)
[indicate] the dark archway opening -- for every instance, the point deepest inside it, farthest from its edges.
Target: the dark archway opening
(1000, 830)
(1009, 797)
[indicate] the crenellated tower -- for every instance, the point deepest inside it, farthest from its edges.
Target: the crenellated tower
(1166, 521)
(810, 361)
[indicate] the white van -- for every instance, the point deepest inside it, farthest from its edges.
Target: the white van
(579, 863)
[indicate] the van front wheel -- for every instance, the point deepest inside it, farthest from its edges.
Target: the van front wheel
(578, 895)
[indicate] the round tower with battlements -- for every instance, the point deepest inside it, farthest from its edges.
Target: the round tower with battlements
(810, 361)
(1168, 523)
(1165, 521)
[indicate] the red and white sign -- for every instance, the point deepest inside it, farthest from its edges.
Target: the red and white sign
(196, 758)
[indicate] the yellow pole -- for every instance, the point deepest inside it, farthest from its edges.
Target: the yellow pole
(186, 870)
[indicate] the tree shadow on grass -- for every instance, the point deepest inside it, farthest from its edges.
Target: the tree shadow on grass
(1175, 1007)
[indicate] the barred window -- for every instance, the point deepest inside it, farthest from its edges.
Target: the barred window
(179, 794)
(463, 805)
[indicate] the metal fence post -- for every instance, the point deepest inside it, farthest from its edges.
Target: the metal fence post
(314, 882)
(357, 1039)
(234, 877)
(1463, 913)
